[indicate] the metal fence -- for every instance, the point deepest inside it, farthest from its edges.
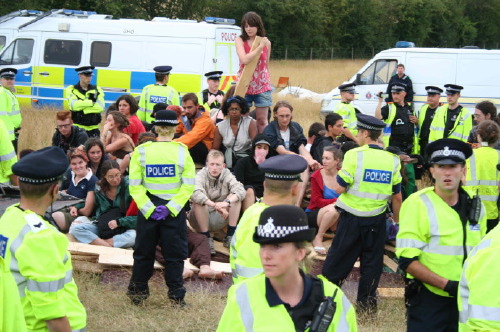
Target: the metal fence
(290, 53)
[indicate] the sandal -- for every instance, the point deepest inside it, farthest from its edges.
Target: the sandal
(320, 251)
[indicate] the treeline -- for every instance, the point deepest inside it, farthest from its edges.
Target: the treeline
(375, 24)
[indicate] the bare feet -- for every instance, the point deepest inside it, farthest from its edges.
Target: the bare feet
(187, 273)
(206, 272)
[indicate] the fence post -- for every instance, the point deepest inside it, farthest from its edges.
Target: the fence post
(311, 56)
(286, 53)
(331, 57)
(352, 53)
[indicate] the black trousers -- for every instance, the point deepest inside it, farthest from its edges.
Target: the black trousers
(362, 237)
(93, 133)
(199, 153)
(171, 234)
(430, 312)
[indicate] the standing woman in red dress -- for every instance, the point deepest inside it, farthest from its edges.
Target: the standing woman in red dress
(259, 89)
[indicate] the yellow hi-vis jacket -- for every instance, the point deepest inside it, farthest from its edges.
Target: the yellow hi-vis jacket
(422, 112)
(5, 112)
(432, 231)
(165, 170)
(348, 114)
(370, 174)
(478, 300)
(38, 258)
(13, 109)
(79, 102)
(8, 156)
(244, 252)
(153, 94)
(247, 309)
(461, 129)
(11, 311)
(482, 178)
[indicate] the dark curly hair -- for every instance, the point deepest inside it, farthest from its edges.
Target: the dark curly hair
(235, 100)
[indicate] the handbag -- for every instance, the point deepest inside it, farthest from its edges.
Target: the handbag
(112, 214)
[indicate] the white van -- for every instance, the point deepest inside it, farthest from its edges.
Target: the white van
(48, 48)
(10, 22)
(477, 70)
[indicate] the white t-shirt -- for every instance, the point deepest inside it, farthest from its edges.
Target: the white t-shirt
(285, 135)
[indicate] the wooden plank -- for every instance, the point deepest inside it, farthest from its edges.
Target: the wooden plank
(76, 247)
(219, 247)
(85, 258)
(390, 248)
(314, 255)
(390, 264)
(121, 260)
(222, 267)
(248, 70)
(87, 267)
(188, 265)
(391, 292)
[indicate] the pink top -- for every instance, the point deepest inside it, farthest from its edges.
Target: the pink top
(261, 80)
(135, 128)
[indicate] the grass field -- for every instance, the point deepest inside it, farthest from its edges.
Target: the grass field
(107, 306)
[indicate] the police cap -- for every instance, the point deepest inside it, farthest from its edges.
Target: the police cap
(213, 75)
(165, 70)
(283, 223)
(8, 73)
(369, 122)
(165, 118)
(42, 166)
(348, 87)
(285, 167)
(451, 89)
(433, 90)
(448, 151)
(398, 87)
(85, 70)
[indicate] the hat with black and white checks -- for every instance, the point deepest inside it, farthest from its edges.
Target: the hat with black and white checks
(283, 223)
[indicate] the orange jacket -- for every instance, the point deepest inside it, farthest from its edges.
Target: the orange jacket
(202, 130)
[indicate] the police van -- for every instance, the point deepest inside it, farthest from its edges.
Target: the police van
(48, 48)
(10, 22)
(477, 70)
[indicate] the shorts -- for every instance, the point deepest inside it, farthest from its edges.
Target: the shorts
(263, 99)
(215, 221)
(68, 218)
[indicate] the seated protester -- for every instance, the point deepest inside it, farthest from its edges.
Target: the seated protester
(247, 170)
(96, 155)
(216, 199)
(116, 142)
(200, 256)
(485, 110)
(196, 129)
(157, 107)
(67, 135)
(287, 137)
(111, 203)
(143, 138)
(321, 211)
(80, 182)
(334, 136)
(234, 135)
(315, 130)
(127, 105)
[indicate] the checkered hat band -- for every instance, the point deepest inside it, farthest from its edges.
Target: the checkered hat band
(37, 181)
(365, 126)
(167, 121)
(278, 232)
(448, 153)
(275, 176)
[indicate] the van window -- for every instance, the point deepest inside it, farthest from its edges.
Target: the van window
(18, 53)
(62, 52)
(379, 72)
(3, 39)
(100, 54)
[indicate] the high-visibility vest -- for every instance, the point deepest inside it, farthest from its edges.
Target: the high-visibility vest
(478, 300)
(388, 127)
(8, 156)
(38, 258)
(11, 311)
(5, 112)
(460, 130)
(244, 252)
(348, 113)
(482, 178)
(13, 108)
(421, 114)
(370, 174)
(153, 94)
(247, 309)
(432, 231)
(165, 170)
(79, 102)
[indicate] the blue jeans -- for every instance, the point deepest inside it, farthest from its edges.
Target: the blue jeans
(88, 232)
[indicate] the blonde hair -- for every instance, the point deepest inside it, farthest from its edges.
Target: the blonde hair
(165, 130)
(307, 263)
(215, 154)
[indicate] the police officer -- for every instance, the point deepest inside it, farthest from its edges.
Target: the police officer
(400, 78)
(452, 119)
(281, 186)
(212, 97)
(439, 227)
(285, 298)
(478, 300)
(161, 182)
(347, 110)
(36, 252)
(425, 115)
(367, 180)
(399, 119)
(86, 102)
(10, 104)
(8, 157)
(159, 92)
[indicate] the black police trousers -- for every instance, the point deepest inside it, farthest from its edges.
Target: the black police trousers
(171, 235)
(362, 237)
(430, 312)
